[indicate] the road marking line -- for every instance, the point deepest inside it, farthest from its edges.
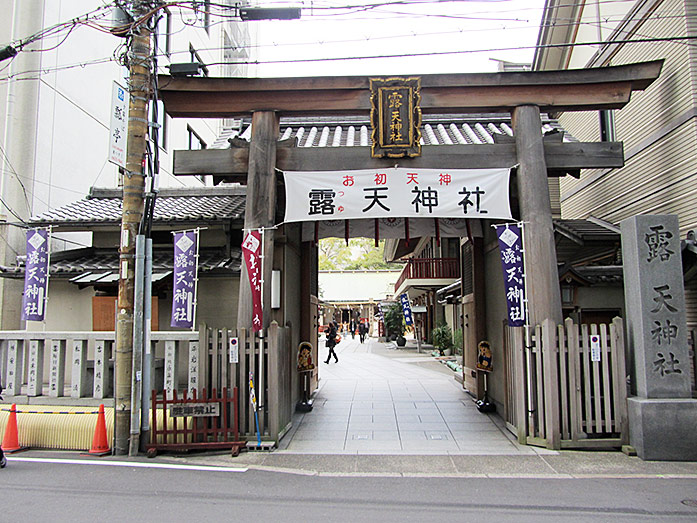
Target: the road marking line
(136, 464)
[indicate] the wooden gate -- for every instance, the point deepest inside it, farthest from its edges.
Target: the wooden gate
(565, 391)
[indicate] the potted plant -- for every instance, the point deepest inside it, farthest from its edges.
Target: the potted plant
(394, 324)
(443, 339)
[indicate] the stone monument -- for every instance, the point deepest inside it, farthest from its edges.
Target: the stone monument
(662, 413)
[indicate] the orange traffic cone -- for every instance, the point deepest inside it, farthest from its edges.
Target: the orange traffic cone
(100, 446)
(10, 443)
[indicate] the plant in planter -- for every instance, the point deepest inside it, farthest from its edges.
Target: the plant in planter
(458, 341)
(394, 323)
(442, 339)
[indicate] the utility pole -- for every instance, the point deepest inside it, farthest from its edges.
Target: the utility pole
(140, 81)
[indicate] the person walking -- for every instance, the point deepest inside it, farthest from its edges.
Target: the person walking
(362, 331)
(331, 331)
(353, 328)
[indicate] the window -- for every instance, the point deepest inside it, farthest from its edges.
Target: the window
(164, 32)
(195, 141)
(161, 119)
(195, 57)
(607, 126)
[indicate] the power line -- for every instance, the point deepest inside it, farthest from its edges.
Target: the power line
(468, 51)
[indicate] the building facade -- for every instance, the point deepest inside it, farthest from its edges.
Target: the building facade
(658, 127)
(55, 104)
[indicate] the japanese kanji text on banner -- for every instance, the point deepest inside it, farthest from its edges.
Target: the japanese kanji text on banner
(185, 269)
(418, 193)
(251, 250)
(510, 245)
(36, 275)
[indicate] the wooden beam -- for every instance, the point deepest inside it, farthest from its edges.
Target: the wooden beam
(232, 163)
(566, 90)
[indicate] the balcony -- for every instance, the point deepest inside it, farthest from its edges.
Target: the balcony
(428, 272)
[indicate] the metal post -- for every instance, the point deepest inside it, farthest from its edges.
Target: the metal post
(136, 390)
(148, 357)
(260, 380)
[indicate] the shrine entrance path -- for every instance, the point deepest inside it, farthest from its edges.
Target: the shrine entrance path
(380, 400)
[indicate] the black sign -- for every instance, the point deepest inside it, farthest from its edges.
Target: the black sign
(395, 117)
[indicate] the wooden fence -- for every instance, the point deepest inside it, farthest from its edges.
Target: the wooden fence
(692, 351)
(272, 370)
(564, 392)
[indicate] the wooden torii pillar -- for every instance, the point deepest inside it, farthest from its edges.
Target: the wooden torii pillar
(260, 208)
(523, 94)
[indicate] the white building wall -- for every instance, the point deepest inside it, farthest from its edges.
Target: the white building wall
(59, 111)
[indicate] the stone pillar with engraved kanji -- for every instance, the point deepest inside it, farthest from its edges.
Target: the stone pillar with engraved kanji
(662, 413)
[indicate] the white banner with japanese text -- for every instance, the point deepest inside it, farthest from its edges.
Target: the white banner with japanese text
(397, 192)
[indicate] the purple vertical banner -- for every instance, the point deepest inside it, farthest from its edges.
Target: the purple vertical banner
(36, 276)
(184, 295)
(406, 309)
(510, 245)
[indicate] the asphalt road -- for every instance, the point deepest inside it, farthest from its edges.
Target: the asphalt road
(37, 489)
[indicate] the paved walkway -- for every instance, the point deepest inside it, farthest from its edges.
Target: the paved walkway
(381, 400)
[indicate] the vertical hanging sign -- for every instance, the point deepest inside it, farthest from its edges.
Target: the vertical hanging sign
(510, 245)
(406, 309)
(117, 129)
(185, 269)
(36, 275)
(251, 250)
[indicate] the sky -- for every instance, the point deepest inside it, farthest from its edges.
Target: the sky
(410, 27)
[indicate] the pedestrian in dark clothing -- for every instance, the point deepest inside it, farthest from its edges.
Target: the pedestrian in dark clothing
(331, 341)
(353, 329)
(362, 330)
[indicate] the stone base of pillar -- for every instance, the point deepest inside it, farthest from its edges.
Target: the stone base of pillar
(663, 429)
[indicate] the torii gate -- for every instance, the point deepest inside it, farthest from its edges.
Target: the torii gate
(523, 94)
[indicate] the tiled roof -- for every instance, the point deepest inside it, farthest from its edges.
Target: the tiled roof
(600, 275)
(348, 131)
(106, 261)
(205, 204)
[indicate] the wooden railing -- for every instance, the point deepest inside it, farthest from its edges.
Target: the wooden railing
(429, 268)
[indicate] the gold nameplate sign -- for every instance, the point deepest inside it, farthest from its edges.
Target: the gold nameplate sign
(395, 117)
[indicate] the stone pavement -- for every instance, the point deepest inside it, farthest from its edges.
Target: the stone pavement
(382, 411)
(378, 399)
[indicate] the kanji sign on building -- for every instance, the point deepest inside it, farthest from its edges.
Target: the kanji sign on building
(36, 275)
(395, 117)
(251, 250)
(409, 193)
(185, 271)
